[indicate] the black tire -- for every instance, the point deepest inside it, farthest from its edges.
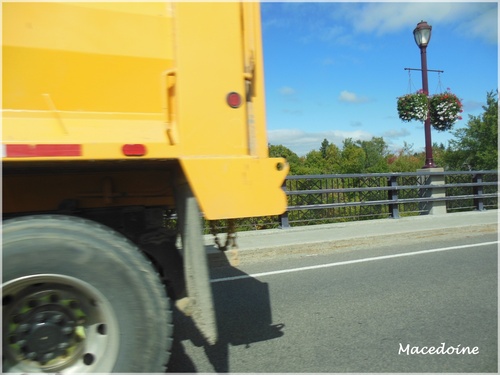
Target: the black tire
(79, 297)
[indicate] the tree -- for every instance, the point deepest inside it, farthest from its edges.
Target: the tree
(353, 157)
(405, 160)
(324, 147)
(476, 145)
(280, 151)
(333, 159)
(314, 162)
(376, 152)
(439, 155)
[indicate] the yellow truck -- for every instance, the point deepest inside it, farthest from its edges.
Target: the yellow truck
(114, 114)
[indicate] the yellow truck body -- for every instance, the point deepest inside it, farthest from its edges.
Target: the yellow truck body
(138, 83)
(112, 115)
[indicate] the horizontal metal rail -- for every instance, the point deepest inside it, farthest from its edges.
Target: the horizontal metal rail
(432, 189)
(387, 201)
(390, 174)
(387, 188)
(314, 199)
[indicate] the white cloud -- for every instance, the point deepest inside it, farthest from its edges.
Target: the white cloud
(473, 19)
(350, 97)
(356, 124)
(293, 112)
(485, 25)
(301, 142)
(473, 105)
(396, 133)
(287, 90)
(387, 17)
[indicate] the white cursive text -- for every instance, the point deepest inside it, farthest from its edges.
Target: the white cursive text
(442, 349)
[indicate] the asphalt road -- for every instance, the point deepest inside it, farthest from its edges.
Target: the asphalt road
(354, 310)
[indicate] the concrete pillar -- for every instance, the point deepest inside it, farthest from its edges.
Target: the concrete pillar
(432, 208)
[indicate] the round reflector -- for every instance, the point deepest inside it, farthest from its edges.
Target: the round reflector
(233, 99)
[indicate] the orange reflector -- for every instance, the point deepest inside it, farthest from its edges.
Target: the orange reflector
(134, 150)
(233, 99)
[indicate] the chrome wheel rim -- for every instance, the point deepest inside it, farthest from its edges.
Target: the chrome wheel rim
(55, 322)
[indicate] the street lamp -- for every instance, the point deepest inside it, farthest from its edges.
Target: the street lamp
(422, 34)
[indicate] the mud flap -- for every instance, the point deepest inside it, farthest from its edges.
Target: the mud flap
(196, 263)
(239, 186)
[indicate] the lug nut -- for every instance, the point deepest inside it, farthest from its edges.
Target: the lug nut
(63, 345)
(47, 357)
(30, 355)
(24, 327)
(56, 318)
(40, 317)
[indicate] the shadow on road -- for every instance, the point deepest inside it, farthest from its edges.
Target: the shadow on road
(243, 310)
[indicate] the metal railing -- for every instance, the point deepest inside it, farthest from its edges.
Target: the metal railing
(343, 197)
(322, 199)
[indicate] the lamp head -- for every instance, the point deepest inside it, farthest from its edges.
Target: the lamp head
(422, 34)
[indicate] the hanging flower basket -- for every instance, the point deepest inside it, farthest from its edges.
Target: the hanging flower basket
(413, 106)
(445, 109)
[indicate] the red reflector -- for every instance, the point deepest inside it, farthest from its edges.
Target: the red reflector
(233, 99)
(134, 150)
(31, 151)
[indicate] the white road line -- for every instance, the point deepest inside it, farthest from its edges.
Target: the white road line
(222, 279)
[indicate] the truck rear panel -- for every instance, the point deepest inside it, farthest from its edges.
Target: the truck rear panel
(97, 85)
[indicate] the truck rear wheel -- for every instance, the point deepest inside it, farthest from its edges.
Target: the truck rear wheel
(78, 297)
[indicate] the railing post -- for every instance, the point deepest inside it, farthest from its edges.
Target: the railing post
(433, 207)
(478, 192)
(284, 223)
(393, 195)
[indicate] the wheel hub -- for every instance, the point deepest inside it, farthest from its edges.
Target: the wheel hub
(45, 335)
(44, 325)
(55, 323)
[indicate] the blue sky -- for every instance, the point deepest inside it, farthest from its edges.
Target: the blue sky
(335, 69)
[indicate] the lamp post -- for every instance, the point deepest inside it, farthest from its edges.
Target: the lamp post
(422, 34)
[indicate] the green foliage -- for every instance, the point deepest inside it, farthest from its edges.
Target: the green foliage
(324, 147)
(314, 162)
(376, 152)
(280, 151)
(476, 145)
(283, 152)
(439, 154)
(405, 160)
(353, 157)
(333, 159)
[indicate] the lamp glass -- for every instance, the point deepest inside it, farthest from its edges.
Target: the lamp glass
(422, 35)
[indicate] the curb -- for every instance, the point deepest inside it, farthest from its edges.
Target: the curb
(233, 257)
